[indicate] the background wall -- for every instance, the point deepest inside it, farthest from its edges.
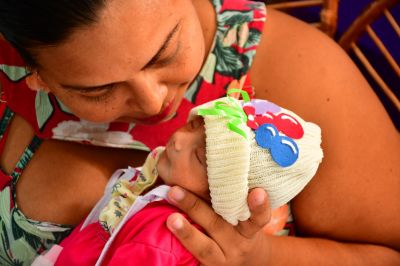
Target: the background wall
(348, 11)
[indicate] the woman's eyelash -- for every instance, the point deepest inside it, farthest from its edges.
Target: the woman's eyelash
(163, 58)
(97, 98)
(102, 97)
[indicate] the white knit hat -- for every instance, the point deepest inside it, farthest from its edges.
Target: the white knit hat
(244, 150)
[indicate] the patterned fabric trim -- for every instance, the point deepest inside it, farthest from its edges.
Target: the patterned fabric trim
(25, 158)
(7, 115)
(125, 192)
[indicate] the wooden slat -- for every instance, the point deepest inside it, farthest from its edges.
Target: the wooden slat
(392, 21)
(385, 88)
(294, 4)
(328, 17)
(373, 12)
(383, 50)
(316, 24)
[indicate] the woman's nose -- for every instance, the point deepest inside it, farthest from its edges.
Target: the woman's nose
(148, 95)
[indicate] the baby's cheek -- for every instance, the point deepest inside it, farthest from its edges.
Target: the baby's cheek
(162, 168)
(201, 189)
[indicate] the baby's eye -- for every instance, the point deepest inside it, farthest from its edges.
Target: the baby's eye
(200, 155)
(195, 123)
(191, 125)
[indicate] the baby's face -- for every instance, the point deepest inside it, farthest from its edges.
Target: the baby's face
(184, 161)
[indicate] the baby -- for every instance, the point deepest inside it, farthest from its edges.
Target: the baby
(226, 148)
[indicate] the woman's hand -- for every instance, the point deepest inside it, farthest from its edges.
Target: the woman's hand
(224, 244)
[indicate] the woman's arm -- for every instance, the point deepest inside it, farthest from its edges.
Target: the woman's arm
(354, 198)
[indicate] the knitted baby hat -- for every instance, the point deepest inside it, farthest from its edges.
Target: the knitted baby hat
(255, 143)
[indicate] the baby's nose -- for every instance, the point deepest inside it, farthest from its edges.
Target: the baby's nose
(177, 143)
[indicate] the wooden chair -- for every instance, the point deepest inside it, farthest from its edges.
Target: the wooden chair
(328, 14)
(376, 10)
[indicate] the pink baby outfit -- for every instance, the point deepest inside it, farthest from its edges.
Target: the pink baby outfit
(143, 240)
(127, 225)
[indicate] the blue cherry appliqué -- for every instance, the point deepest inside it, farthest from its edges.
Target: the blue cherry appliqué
(284, 150)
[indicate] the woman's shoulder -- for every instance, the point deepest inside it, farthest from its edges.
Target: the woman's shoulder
(295, 60)
(295, 56)
(301, 69)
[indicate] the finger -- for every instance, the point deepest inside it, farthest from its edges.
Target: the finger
(201, 246)
(260, 213)
(201, 213)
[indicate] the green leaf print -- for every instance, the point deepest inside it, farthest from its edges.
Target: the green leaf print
(22, 252)
(5, 225)
(5, 216)
(234, 18)
(191, 92)
(44, 108)
(227, 58)
(33, 242)
(5, 258)
(64, 108)
(247, 59)
(254, 38)
(14, 73)
(208, 70)
(29, 227)
(218, 4)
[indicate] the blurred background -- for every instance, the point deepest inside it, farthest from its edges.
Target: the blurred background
(368, 30)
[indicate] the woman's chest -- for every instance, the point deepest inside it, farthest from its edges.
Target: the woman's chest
(63, 180)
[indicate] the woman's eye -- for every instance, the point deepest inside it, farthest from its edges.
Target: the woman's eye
(167, 57)
(98, 95)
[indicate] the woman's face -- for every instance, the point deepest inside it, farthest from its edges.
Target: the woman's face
(134, 65)
(184, 161)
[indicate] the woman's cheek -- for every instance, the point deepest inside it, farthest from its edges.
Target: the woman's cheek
(103, 111)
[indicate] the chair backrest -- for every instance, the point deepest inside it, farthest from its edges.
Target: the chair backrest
(328, 14)
(363, 24)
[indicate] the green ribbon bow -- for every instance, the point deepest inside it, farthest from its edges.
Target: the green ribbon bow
(231, 110)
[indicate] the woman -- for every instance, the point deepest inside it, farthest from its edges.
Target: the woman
(109, 62)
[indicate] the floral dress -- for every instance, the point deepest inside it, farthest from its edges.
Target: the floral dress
(239, 27)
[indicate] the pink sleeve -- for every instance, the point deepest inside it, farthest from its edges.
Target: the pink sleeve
(146, 240)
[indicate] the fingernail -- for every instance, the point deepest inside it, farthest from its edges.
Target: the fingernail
(259, 199)
(174, 223)
(177, 224)
(176, 194)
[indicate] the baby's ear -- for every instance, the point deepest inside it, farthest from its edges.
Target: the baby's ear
(35, 82)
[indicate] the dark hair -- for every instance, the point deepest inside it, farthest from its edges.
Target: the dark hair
(29, 24)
